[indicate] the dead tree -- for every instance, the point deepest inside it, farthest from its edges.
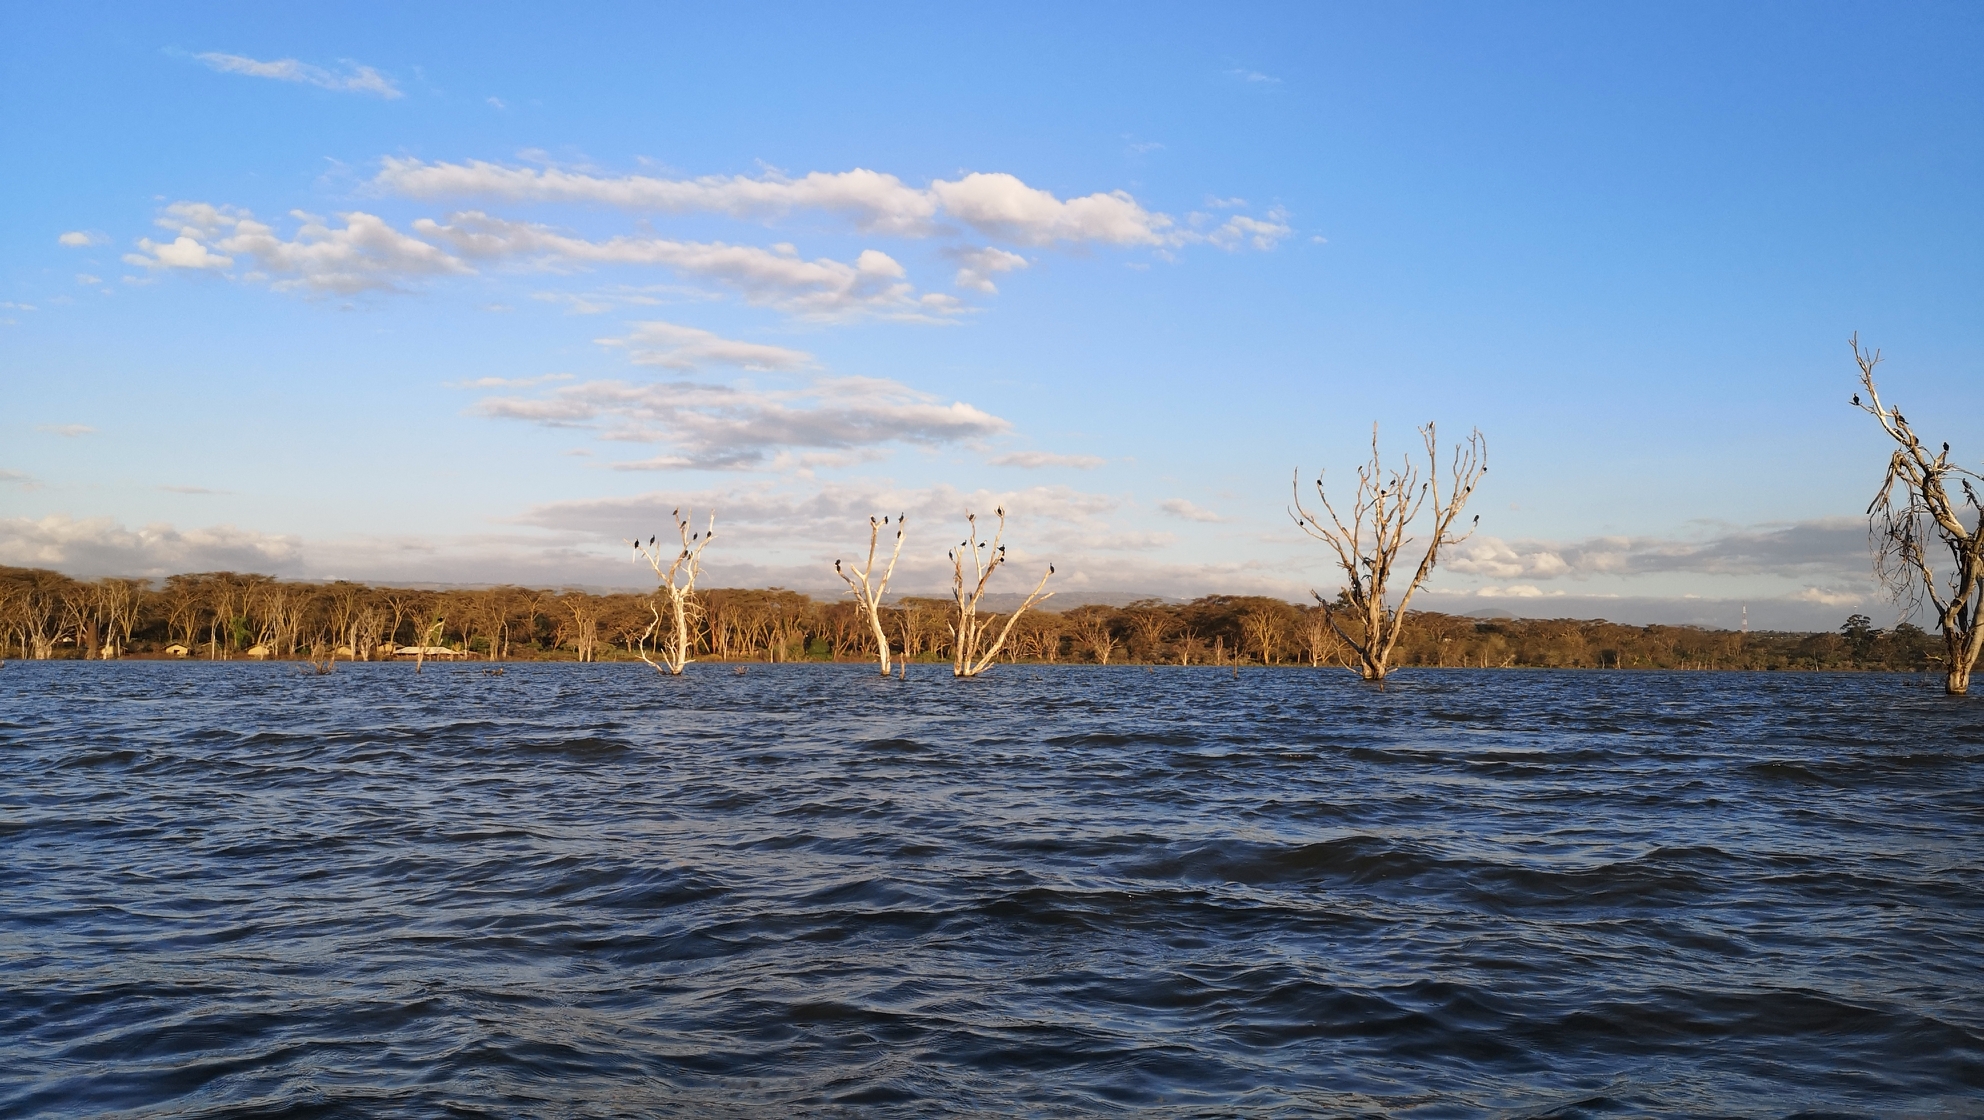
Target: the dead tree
(868, 592)
(678, 583)
(970, 655)
(1368, 546)
(1904, 526)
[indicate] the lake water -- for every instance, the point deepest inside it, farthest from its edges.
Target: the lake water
(586, 890)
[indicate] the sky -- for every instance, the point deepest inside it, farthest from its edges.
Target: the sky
(468, 294)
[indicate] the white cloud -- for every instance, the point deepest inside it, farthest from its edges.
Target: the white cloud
(995, 204)
(1179, 507)
(1255, 77)
(979, 265)
(1516, 591)
(872, 200)
(1034, 460)
(355, 79)
(677, 347)
(22, 479)
(873, 284)
(496, 102)
(12, 306)
(508, 382)
(86, 278)
(100, 547)
(1836, 547)
(79, 238)
(366, 254)
(1827, 597)
(720, 427)
(1001, 206)
(70, 431)
(1261, 234)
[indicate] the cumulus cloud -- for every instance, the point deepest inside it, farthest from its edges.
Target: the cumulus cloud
(1828, 597)
(81, 238)
(999, 205)
(979, 265)
(721, 427)
(671, 346)
(101, 547)
(1831, 545)
(354, 79)
(1179, 507)
(1035, 460)
(366, 254)
(872, 200)
(994, 204)
(780, 517)
(873, 284)
(1262, 234)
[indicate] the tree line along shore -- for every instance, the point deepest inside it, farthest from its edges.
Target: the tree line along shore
(45, 615)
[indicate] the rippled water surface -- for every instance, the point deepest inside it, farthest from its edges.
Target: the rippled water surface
(586, 890)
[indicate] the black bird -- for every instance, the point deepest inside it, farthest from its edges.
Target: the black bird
(900, 516)
(1856, 398)
(1946, 449)
(651, 541)
(1050, 569)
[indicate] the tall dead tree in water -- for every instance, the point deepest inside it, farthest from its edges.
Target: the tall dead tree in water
(970, 655)
(1369, 544)
(678, 583)
(867, 592)
(1902, 525)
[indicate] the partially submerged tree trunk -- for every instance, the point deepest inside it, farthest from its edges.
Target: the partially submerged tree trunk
(1902, 525)
(1369, 545)
(867, 592)
(970, 655)
(678, 583)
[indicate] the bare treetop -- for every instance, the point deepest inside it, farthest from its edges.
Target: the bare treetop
(1367, 544)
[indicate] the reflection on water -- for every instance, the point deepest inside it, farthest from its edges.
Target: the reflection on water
(587, 890)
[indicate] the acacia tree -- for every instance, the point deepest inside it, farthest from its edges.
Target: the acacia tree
(678, 582)
(969, 654)
(1368, 546)
(1914, 512)
(867, 592)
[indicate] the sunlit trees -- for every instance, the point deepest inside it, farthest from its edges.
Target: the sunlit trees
(868, 590)
(35, 610)
(1917, 527)
(1092, 627)
(970, 652)
(583, 610)
(1383, 508)
(678, 584)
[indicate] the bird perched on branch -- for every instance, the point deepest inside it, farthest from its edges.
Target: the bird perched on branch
(1856, 399)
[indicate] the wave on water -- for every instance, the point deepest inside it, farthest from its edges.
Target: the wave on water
(238, 890)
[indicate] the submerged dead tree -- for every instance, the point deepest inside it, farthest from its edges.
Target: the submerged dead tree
(867, 594)
(1913, 516)
(970, 655)
(1368, 545)
(678, 583)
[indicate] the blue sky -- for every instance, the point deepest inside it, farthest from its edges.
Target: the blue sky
(471, 293)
